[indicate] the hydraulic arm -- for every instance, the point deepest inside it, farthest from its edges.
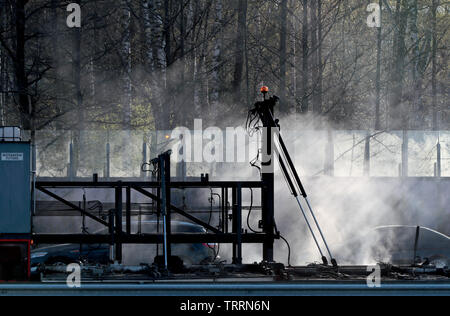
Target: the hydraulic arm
(274, 144)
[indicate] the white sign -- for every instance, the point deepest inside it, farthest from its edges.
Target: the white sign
(12, 156)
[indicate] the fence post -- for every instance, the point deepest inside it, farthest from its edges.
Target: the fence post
(108, 163)
(405, 153)
(329, 155)
(439, 161)
(181, 170)
(144, 158)
(353, 155)
(153, 145)
(367, 156)
(70, 166)
(118, 220)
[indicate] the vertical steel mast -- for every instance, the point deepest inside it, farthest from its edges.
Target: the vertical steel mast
(271, 128)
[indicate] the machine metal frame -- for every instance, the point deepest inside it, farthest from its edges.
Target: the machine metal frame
(264, 113)
(118, 235)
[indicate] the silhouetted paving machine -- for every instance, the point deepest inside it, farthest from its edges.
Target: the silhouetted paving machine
(159, 191)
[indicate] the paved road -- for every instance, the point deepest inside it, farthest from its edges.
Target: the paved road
(241, 289)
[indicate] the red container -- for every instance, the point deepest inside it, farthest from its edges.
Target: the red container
(15, 260)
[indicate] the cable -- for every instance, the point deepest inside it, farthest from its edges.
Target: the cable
(211, 201)
(250, 212)
(216, 253)
(143, 167)
(256, 232)
(285, 240)
(253, 123)
(289, 250)
(254, 162)
(253, 127)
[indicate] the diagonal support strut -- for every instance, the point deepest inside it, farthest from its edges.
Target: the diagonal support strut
(179, 211)
(71, 205)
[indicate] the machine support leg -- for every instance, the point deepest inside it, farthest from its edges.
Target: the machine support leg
(222, 224)
(226, 210)
(119, 215)
(268, 178)
(164, 210)
(158, 209)
(234, 222)
(416, 244)
(111, 216)
(108, 161)
(268, 216)
(128, 210)
(168, 203)
(239, 225)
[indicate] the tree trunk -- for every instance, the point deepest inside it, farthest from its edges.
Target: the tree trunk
(147, 32)
(167, 31)
(378, 78)
(217, 60)
(202, 85)
(293, 42)
(435, 108)
(416, 86)
(2, 88)
(3, 72)
(241, 34)
(56, 62)
(26, 109)
(94, 54)
(78, 96)
(182, 27)
(168, 90)
(192, 13)
(126, 58)
(319, 88)
(398, 110)
(159, 111)
(305, 60)
(283, 55)
(76, 75)
(314, 56)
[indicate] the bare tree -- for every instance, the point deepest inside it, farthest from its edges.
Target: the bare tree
(435, 109)
(305, 60)
(315, 67)
(217, 58)
(127, 65)
(241, 33)
(398, 111)
(378, 74)
(283, 55)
